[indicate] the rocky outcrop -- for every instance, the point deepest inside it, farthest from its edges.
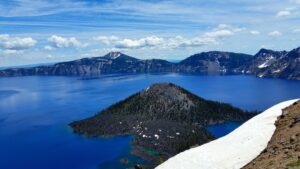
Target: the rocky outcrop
(164, 119)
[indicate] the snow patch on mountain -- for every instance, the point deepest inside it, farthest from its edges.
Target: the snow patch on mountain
(267, 63)
(114, 55)
(234, 150)
(277, 71)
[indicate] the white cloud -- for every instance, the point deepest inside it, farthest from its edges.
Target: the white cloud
(275, 33)
(16, 43)
(197, 42)
(49, 56)
(180, 42)
(47, 47)
(150, 41)
(212, 37)
(254, 32)
(10, 52)
(228, 27)
(223, 26)
(158, 42)
(107, 40)
(219, 33)
(283, 13)
(208, 38)
(4, 36)
(222, 31)
(62, 42)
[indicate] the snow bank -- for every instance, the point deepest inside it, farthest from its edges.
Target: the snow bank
(234, 150)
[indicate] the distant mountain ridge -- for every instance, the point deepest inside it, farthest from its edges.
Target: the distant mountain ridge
(113, 62)
(278, 64)
(266, 63)
(214, 62)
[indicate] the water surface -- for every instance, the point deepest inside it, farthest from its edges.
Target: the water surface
(220, 130)
(35, 112)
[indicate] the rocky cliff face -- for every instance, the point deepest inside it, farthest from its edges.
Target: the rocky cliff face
(266, 63)
(214, 62)
(164, 119)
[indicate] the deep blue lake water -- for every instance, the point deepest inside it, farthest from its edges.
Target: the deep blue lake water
(35, 112)
(220, 130)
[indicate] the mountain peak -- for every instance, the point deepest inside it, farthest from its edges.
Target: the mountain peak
(113, 54)
(165, 91)
(264, 50)
(268, 52)
(297, 50)
(119, 56)
(158, 86)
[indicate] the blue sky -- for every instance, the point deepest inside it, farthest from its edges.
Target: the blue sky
(41, 31)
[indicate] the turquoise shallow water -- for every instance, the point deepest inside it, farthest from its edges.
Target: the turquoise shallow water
(35, 112)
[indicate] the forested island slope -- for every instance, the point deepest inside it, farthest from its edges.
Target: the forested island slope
(164, 120)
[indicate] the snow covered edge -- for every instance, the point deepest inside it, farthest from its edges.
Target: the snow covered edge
(234, 150)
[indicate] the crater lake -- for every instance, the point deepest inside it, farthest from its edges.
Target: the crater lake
(35, 112)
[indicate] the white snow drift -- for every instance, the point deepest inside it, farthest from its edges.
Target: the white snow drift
(234, 150)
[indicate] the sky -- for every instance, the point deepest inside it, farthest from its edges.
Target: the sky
(49, 31)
